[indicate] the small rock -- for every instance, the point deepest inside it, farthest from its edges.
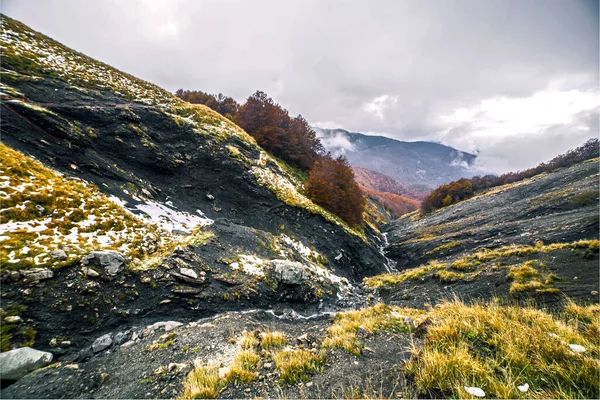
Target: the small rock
(69, 308)
(168, 325)
(53, 342)
(103, 342)
(37, 274)
(65, 343)
(577, 348)
(288, 272)
(13, 319)
(268, 365)
(14, 275)
(223, 372)
(128, 344)
(112, 261)
(15, 364)
(309, 384)
(146, 279)
(210, 197)
(40, 210)
(59, 255)
(188, 272)
(90, 272)
(247, 390)
(104, 378)
(165, 301)
(594, 293)
(121, 337)
(523, 388)
(475, 391)
(72, 366)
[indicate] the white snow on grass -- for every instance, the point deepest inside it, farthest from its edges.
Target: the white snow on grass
(171, 219)
(249, 264)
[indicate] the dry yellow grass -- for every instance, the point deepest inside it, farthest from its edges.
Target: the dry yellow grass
(202, 383)
(343, 333)
(498, 348)
(295, 365)
(270, 341)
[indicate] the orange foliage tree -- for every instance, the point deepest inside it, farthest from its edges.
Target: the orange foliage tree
(331, 184)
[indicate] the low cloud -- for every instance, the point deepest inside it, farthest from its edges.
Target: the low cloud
(337, 143)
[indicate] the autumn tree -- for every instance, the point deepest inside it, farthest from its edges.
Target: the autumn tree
(222, 104)
(331, 184)
(292, 140)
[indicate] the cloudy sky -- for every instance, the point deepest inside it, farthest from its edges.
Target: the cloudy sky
(515, 80)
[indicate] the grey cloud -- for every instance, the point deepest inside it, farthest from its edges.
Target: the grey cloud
(327, 60)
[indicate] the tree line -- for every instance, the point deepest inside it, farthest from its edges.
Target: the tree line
(330, 183)
(464, 188)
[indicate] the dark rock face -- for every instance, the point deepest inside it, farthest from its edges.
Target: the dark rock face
(547, 208)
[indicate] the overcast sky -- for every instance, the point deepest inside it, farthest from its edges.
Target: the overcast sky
(515, 80)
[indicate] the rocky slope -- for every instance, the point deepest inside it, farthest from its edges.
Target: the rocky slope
(201, 219)
(469, 248)
(421, 166)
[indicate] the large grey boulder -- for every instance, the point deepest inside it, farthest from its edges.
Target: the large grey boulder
(289, 272)
(37, 274)
(112, 261)
(103, 342)
(15, 364)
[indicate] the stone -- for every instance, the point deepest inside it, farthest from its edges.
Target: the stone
(146, 279)
(14, 275)
(127, 344)
(15, 364)
(288, 272)
(188, 272)
(268, 365)
(37, 274)
(223, 372)
(92, 273)
(210, 197)
(65, 343)
(59, 255)
(309, 384)
(13, 319)
(112, 261)
(121, 337)
(475, 391)
(168, 325)
(40, 210)
(103, 342)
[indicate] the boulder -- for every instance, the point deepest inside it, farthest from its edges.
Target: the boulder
(37, 274)
(103, 342)
(59, 255)
(112, 261)
(15, 364)
(289, 272)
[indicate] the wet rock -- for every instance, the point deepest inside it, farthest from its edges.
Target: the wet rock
(288, 272)
(59, 255)
(15, 364)
(112, 261)
(37, 274)
(103, 342)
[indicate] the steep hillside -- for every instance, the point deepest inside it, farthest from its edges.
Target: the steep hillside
(195, 209)
(537, 237)
(420, 166)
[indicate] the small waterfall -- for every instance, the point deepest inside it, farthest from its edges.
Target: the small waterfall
(390, 265)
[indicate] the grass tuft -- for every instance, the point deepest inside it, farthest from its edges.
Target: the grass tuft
(295, 365)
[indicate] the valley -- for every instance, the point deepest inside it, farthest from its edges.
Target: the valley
(151, 248)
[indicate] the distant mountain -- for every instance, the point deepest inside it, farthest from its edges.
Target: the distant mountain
(421, 166)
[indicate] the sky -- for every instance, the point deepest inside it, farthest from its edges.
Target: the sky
(515, 81)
